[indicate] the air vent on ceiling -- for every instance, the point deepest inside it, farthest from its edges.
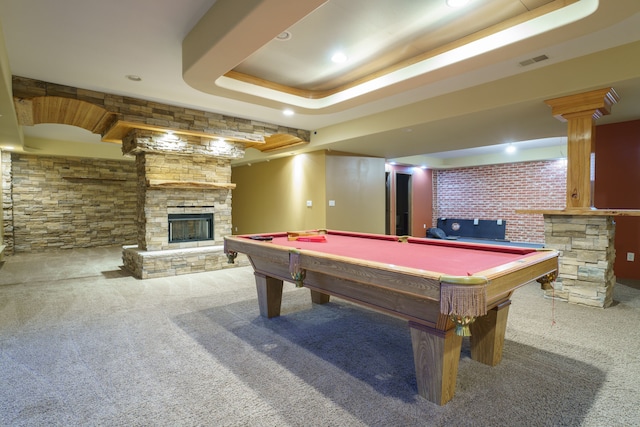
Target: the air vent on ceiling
(534, 60)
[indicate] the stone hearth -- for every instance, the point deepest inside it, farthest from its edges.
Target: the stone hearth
(179, 175)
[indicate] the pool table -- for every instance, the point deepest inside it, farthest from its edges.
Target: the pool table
(445, 289)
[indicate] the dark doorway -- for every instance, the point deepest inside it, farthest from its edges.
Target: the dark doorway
(387, 204)
(403, 208)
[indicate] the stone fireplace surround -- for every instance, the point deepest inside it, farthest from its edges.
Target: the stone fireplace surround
(179, 175)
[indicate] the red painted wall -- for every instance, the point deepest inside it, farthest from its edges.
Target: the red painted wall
(421, 198)
(422, 195)
(497, 191)
(617, 183)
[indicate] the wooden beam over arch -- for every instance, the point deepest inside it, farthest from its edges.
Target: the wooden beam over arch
(64, 111)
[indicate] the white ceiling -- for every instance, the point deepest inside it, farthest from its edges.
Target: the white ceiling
(450, 93)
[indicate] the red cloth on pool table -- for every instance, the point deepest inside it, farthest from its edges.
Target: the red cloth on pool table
(443, 257)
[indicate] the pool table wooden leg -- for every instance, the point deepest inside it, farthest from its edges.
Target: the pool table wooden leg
(269, 295)
(319, 297)
(487, 335)
(436, 354)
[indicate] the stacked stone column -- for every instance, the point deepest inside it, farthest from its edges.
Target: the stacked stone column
(587, 255)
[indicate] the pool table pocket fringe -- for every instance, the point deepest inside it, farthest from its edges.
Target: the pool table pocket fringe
(297, 274)
(463, 301)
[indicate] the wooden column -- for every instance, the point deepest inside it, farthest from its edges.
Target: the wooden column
(580, 112)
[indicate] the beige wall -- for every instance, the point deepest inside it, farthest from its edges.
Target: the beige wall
(271, 196)
(357, 186)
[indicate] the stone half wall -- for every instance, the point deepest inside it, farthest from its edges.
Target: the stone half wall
(179, 175)
(587, 255)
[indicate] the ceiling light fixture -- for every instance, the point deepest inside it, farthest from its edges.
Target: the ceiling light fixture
(283, 36)
(457, 3)
(133, 77)
(510, 149)
(339, 58)
(288, 112)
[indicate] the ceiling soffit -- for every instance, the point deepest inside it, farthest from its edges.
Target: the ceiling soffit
(426, 47)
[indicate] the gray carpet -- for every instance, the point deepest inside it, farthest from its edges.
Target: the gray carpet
(83, 343)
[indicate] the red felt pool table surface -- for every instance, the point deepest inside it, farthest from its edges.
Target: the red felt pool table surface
(441, 256)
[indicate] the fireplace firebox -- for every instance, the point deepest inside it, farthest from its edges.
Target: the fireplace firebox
(190, 227)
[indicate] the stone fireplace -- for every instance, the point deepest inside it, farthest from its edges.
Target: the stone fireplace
(184, 203)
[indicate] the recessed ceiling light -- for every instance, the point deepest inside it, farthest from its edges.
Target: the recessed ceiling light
(288, 112)
(283, 36)
(510, 149)
(457, 3)
(133, 77)
(339, 57)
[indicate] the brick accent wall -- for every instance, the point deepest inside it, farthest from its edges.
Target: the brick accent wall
(496, 191)
(72, 202)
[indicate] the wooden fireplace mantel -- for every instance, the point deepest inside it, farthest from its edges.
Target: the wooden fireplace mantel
(166, 183)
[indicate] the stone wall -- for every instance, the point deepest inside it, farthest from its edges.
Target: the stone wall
(587, 255)
(7, 204)
(71, 202)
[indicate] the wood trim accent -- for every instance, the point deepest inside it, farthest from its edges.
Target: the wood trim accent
(597, 102)
(67, 111)
(92, 178)
(278, 141)
(166, 183)
(582, 212)
(121, 128)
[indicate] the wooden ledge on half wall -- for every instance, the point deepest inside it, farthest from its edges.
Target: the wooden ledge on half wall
(582, 212)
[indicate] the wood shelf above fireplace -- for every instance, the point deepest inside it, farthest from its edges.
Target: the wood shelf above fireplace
(166, 183)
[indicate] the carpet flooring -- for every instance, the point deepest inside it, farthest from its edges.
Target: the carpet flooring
(83, 343)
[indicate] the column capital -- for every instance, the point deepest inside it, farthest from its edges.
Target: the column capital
(596, 103)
